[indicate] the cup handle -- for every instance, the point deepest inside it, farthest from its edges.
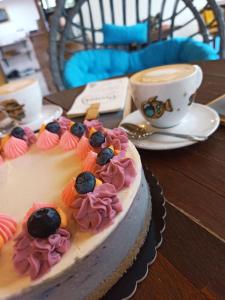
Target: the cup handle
(199, 76)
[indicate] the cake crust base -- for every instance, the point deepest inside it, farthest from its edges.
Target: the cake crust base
(126, 263)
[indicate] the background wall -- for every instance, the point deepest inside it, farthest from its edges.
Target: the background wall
(23, 15)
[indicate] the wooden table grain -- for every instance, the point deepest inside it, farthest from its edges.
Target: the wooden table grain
(191, 260)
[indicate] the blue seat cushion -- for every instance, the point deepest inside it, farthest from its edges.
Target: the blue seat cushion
(123, 35)
(98, 64)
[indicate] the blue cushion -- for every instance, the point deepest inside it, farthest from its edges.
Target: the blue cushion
(123, 35)
(217, 43)
(98, 64)
(93, 65)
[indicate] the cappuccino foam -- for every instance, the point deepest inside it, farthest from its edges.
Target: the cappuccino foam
(15, 86)
(164, 74)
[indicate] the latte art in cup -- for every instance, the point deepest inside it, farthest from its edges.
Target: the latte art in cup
(164, 74)
(165, 94)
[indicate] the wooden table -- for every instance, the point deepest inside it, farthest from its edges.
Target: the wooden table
(191, 260)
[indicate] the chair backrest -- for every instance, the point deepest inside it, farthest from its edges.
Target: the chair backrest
(80, 27)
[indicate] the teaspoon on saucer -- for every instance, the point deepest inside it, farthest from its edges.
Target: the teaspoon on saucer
(143, 131)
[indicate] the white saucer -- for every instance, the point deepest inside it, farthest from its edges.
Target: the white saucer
(48, 114)
(200, 120)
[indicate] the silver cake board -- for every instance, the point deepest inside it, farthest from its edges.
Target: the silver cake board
(127, 285)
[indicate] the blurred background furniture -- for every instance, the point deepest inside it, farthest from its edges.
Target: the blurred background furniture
(19, 32)
(82, 26)
(12, 49)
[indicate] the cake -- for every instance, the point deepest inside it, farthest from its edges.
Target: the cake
(75, 210)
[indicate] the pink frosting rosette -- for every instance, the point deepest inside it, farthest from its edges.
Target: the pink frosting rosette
(83, 148)
(8, 227)
(1, 160)
(14, 148)
(95, 211)
(117, 138)
(120, 172)
(47, 140)
(35, 257)
(89, 164)
(68, 141)
(69, 193)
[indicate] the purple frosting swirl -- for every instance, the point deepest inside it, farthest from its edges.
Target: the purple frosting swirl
(64, 124)
(120, 172)
(95, 211)
(30, 137)
(35, 257)
(117, 138)
(96, 124)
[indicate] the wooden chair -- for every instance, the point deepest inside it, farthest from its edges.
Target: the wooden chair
(80, 27)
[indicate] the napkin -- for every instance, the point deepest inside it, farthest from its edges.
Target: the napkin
(110, 94)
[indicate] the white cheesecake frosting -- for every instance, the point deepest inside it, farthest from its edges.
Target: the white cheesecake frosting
(40, 177)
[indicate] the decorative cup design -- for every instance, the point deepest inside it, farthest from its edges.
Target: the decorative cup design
(154, 108)
(165, 103)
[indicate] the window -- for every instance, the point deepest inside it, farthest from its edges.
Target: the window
(49, 4)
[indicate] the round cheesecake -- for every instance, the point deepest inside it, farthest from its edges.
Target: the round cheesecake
(94, 262)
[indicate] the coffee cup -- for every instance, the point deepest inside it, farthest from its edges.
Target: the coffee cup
(165, 94)
(27, 93)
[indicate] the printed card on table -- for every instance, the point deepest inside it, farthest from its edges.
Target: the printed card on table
(111, 94)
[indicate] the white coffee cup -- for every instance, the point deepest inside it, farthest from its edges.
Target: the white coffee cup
(26, 92)
(164, 94)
